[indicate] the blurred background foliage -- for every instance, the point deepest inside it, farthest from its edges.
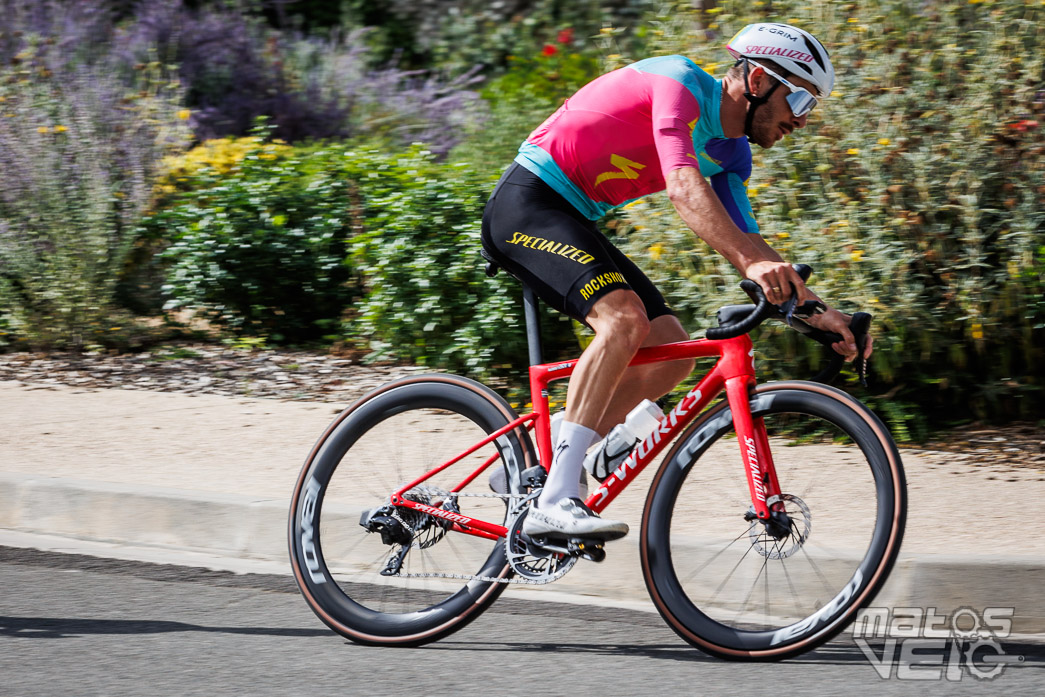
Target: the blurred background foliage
(313, 172)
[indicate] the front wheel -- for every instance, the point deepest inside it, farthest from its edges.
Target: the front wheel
(379, 574)
(739, 589)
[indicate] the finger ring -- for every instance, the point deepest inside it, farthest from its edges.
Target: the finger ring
(776, 289)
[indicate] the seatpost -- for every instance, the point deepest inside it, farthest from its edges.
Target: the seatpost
(533, 325)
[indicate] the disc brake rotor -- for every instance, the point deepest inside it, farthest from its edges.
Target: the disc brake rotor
(800, 525)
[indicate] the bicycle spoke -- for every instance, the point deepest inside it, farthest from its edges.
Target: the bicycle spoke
(721, 552)
(791, 586)
(747, 598)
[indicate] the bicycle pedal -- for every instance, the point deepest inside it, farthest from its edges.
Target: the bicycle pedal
(588, 549)
(533, 477)
(592, 550)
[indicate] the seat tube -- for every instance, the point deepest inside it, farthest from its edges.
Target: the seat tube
(754, 445)
(533, 325)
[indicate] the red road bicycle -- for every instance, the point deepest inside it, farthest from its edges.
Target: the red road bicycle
(776, 515)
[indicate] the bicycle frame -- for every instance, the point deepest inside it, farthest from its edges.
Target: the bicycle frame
(734, 372)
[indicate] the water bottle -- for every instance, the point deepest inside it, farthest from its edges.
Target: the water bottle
(619, 442)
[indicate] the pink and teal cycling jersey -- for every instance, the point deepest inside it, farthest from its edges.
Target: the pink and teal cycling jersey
(617, 138)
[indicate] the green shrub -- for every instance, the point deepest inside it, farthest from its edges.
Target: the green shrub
(427, 298)
(260, 248)
(335, 242)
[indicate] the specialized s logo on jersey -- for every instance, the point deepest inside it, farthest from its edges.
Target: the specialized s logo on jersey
(626, 169)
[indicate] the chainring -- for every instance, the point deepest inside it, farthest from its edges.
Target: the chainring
(528, 559)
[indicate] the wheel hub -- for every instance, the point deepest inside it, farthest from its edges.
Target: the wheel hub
(785, 532)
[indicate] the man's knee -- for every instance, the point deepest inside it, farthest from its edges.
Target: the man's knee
(621, 315)
(667, 329)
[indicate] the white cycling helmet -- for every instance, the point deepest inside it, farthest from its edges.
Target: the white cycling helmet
(793, 49)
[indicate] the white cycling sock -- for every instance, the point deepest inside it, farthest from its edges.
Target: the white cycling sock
(564, 476)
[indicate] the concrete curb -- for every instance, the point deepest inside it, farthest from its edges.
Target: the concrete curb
(251, 528)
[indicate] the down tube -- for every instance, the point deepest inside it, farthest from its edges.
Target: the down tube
(674, 423)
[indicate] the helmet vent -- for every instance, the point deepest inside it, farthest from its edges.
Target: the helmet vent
(814, 50)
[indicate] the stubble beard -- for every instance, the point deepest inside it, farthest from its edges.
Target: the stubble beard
(763, 128)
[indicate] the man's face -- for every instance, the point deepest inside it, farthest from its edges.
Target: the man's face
(774, 119)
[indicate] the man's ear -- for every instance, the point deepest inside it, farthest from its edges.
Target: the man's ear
(758, 79)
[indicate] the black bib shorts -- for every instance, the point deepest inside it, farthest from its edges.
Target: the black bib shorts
(537, 236)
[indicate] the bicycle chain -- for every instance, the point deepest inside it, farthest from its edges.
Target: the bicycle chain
(484, 579)
(473, 577)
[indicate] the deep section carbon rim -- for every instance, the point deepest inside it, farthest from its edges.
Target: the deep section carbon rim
(736, 588)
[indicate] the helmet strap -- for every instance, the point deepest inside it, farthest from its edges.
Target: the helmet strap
(756, 102)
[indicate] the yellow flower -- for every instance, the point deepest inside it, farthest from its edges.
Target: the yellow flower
(852, 151)
(853, 20)
(43, 129)
(783, 235)
(184, 114)
(60, 129)
(977, 330)
(857, 254)
(884, 141)
(836, 93)
(656, 251)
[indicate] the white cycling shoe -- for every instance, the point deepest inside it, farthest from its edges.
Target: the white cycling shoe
(571, 518)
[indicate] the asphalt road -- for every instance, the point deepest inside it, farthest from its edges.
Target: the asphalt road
(78, 625)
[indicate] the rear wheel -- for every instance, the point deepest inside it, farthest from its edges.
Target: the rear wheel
(379, 574)
(736, 588)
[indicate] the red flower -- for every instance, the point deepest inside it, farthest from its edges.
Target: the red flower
(549, 50)
(565, 36)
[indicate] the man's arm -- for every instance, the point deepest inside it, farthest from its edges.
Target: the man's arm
(701, 210)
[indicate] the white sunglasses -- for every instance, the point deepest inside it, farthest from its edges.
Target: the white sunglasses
(800, 100)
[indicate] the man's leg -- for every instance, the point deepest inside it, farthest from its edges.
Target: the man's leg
(651, 381)
(621, 327)
(603, 390)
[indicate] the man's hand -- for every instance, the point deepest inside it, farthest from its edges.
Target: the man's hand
(838, 322)
(776, 279)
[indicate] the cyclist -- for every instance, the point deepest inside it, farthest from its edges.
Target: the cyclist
(661, 123)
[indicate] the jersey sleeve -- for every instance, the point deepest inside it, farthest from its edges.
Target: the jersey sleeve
(732, 160)
(674, 110)
(732, 192)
